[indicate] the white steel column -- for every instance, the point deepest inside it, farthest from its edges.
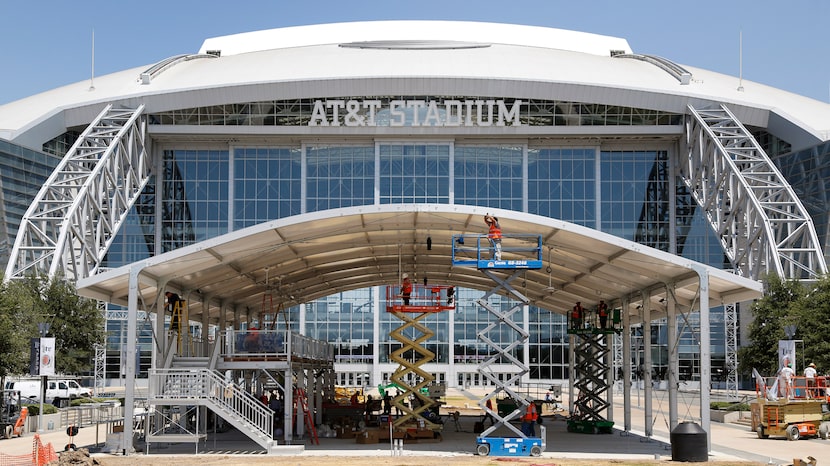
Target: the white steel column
(288, 404)
(129, 364)
(626, 351)
(671, 328)
(648, 392)
(205, 329)
(705, 352)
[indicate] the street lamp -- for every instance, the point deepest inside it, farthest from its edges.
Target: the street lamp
(43, 328)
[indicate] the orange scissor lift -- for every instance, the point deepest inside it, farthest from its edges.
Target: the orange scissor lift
(793, 412)
(410, 376)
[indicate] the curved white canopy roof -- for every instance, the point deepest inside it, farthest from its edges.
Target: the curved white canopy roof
(313, 255)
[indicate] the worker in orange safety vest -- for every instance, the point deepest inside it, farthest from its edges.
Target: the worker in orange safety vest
(602, 310)
(577, 314)
(529, 420)
(494, 235)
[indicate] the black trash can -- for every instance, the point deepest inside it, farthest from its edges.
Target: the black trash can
(689, 443)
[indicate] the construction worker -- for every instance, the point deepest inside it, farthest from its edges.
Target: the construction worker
(602, 311)
(529, 420)
(406, 289)
(785, 381)
(488, 414)
(494, 235)
(810, 375)
(576, 315)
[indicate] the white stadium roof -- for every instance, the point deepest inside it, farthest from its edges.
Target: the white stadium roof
(423, 57)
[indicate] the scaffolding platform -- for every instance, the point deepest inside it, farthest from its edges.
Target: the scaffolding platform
(519, 251)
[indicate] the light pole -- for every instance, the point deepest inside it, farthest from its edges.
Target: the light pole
(43, 328)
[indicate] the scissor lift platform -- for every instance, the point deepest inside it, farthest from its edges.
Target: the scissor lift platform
(412, 355)
(519, 253)
(511, 446)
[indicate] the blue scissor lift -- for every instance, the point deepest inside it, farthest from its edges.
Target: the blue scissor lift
(519, 253)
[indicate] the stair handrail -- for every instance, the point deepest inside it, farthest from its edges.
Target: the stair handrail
(221, 394)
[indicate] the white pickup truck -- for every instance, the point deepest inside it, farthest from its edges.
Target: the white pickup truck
(57, 390)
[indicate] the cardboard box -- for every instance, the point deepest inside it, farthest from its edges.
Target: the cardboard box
(383, 434)
(345, 432)
(367, 436)
(421, 433)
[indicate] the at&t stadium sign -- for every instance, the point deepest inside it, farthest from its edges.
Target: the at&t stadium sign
(415, 113)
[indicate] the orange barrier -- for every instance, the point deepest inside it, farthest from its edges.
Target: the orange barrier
(41, 455)
(15, 460)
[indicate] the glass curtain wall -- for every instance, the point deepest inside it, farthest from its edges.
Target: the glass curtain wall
(206, 193)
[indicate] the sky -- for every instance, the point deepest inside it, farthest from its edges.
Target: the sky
(48, 43)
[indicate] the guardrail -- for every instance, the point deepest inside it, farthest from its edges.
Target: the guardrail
(279, 343)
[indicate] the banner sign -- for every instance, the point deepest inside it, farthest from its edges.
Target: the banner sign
(786, 353)
(42, 356)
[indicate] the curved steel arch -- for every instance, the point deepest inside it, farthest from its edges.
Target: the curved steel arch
(762, 224)
(70, 225)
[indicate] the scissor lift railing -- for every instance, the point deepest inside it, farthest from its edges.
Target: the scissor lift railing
(519, 253)
(412, 355)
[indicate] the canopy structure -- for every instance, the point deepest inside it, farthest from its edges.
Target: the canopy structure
(326, 252)
(305, 257)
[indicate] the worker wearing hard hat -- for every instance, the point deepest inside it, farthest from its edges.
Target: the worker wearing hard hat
(810, 375)
(406, 289)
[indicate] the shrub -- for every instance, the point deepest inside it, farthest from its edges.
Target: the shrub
(34, 410)
(728, 406)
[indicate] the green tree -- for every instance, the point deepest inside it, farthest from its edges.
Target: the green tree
(770, 314)
(15, 331)
(813, 324)
(76, 323)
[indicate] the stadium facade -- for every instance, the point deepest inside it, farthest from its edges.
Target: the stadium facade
(279, 124)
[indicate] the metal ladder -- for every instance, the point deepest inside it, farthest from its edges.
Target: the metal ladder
(301, 404)
(178, 320)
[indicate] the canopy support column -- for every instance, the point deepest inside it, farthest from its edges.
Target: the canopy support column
(626, 350)
(647, 366)
(671, 326)
(705, 351)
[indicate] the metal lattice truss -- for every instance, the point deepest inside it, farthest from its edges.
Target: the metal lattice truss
(762, 224)
(731, 334)
(75, 216)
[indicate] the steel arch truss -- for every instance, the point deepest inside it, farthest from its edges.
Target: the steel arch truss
(762, 225)
(70, 225)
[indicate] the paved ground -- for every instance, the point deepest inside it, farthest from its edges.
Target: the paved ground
(729, 442)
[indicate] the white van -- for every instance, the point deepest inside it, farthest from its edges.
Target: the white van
(57, 390)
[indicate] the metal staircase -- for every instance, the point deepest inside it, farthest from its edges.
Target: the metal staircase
(204, 387)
